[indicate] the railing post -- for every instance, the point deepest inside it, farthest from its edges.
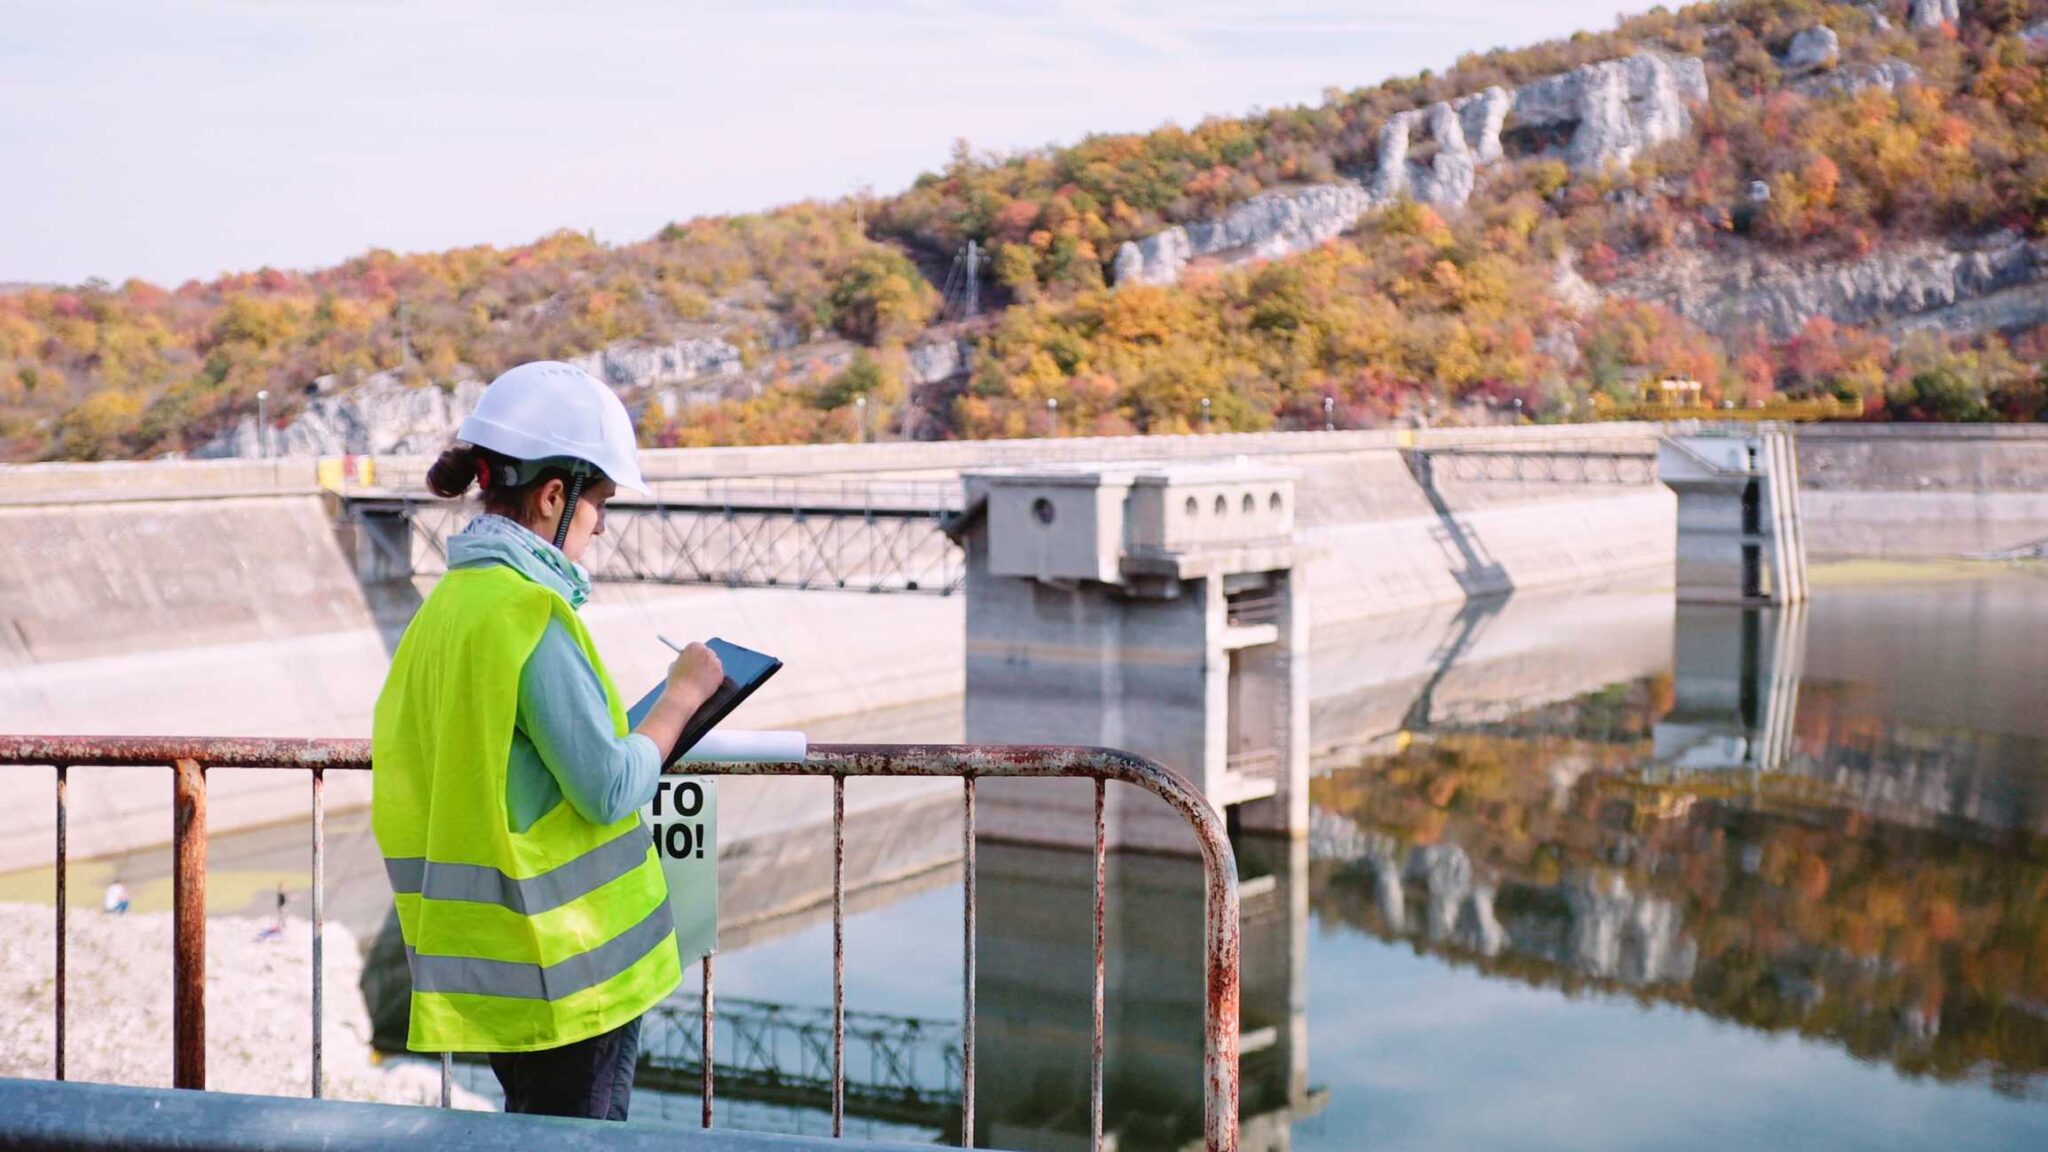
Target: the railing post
(1101, 935)
(188, 949)
(1222, 928)
(63, 909)
(706, 1043)
(838, 955)
(319, 924)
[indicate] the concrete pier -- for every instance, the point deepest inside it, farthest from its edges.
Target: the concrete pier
(1156, 610)
(1739, 533)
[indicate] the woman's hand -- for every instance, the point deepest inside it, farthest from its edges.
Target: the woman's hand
(696, 672)
(692, 678)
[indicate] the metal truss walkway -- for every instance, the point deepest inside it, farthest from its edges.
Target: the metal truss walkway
(899, 1069)
(854, 535)
(877, 536)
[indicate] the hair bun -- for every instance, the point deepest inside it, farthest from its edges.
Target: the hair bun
(454, 472)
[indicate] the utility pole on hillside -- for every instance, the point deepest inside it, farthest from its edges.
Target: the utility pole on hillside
(973, 278)
(962, 291)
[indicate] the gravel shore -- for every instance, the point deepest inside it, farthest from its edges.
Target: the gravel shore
(258, 1007)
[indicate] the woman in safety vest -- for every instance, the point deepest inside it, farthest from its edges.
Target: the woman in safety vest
(507, 789)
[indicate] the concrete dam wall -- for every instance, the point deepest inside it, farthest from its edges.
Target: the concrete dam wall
(143, 599)
(1899, 491)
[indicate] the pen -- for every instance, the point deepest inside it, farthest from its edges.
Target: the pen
(673, 646)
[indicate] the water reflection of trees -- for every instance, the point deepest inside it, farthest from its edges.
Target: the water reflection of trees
(1800, 900)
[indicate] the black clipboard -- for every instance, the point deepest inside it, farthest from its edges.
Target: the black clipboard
(745, 670)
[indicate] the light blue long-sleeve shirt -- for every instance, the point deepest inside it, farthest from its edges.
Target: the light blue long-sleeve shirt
(563, 746)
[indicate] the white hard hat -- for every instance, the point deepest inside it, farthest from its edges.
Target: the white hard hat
(550, 410)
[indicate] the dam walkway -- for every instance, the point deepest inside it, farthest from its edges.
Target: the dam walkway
(855, 532)
(768, 532)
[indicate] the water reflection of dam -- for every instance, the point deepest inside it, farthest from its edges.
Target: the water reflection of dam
(1032, 1000)
(901, 1069)
(1378, 682)
(1763, 837)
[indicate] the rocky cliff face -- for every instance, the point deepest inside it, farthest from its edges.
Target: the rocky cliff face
(635, 365)
(1933, 13)
(938, 361)
(1816, 47)
(1996, 283)
(1464, 133)
(385, 416)
(1615, 109)
(1886, 74)
(1606, 113)
(1268, 225)
(381, 415)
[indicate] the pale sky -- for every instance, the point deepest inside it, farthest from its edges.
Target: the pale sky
(170, 139)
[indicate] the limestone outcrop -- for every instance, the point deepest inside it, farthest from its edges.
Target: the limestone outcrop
(1817, 47)
(1482, 116)
(1464, 134)
(631, 364)
(381, 415)
(1933, 13)
(1957, 288)
(1270, 224)
(1615, 109)
(1605, 113)
(937, 360)
(1889, 75)
(1157, 259)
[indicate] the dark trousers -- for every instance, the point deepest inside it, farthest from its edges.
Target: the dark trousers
(591, 1078)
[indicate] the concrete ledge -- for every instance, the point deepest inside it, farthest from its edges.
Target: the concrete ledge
(30, 483)
(37, 1114)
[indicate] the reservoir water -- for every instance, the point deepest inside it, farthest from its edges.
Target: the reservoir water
(1585, 872)
(1786, 886)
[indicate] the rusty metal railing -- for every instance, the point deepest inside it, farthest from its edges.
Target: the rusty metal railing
(188, 759)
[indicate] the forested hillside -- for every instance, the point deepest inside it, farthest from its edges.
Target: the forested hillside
(1853, 209)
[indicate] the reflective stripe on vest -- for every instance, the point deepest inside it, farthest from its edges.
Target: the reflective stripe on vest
(479, 884)
(556, 981)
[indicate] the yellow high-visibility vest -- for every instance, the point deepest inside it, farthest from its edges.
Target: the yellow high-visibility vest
(517, 941)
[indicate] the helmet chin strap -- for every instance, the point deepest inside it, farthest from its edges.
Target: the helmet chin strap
(575, 493)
